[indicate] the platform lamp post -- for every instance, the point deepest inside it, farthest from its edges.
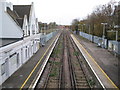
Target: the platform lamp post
(103, 36)
(116, 27)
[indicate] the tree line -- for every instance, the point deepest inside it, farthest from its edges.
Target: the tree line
(108, 14)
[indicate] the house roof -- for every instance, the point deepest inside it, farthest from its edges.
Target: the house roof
(20, 21)
(13, 15)
(18, 13)
(22, 10)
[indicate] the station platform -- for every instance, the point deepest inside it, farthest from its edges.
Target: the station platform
(104, 64)
(23, 77)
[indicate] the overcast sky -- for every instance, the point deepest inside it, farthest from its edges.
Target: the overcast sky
(62, 11)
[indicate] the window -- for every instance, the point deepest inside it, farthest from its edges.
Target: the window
(33, 29)
(13, 59)
(26, 30)
(23, 33)
(26, 53)
(18, 59)
(3, 69)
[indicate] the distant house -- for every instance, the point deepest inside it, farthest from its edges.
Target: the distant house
(19, 37)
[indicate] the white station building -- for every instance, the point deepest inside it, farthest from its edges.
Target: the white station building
(19, 37)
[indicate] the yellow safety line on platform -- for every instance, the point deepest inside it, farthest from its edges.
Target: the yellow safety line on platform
(97, 64)
(36, 65)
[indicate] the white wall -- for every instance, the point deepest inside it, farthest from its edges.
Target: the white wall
(18, 48)
(9, 28)
(25, 26)
(0, 18)
(37, 26)
(32, 20)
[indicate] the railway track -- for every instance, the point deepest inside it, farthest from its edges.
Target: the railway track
(66, 67)
(52, 73)
(73, 74)
(77, 72)
(53, 79)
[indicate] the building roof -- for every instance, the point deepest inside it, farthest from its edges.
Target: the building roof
(22, 10)
(18, 13)
(13, 15)
(7, 41)
(20, 21)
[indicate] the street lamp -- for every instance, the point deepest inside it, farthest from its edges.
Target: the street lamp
(103, 30)
(116, 27)
(103, 37)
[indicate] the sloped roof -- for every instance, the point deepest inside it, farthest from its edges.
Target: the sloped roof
(13, 15)
(22, 10)
(20, 21)
(18, 13)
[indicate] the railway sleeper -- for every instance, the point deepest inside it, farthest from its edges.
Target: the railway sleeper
(83, 87)
(78, 69)
(82, 81)
(52, 86)
(81, 78)
(82, 84)
(79, 73)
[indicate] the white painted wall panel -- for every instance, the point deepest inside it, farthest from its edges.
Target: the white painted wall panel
(0, 73)
(0, 19)
(18, 47)
(13, 64)
(10, 28)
